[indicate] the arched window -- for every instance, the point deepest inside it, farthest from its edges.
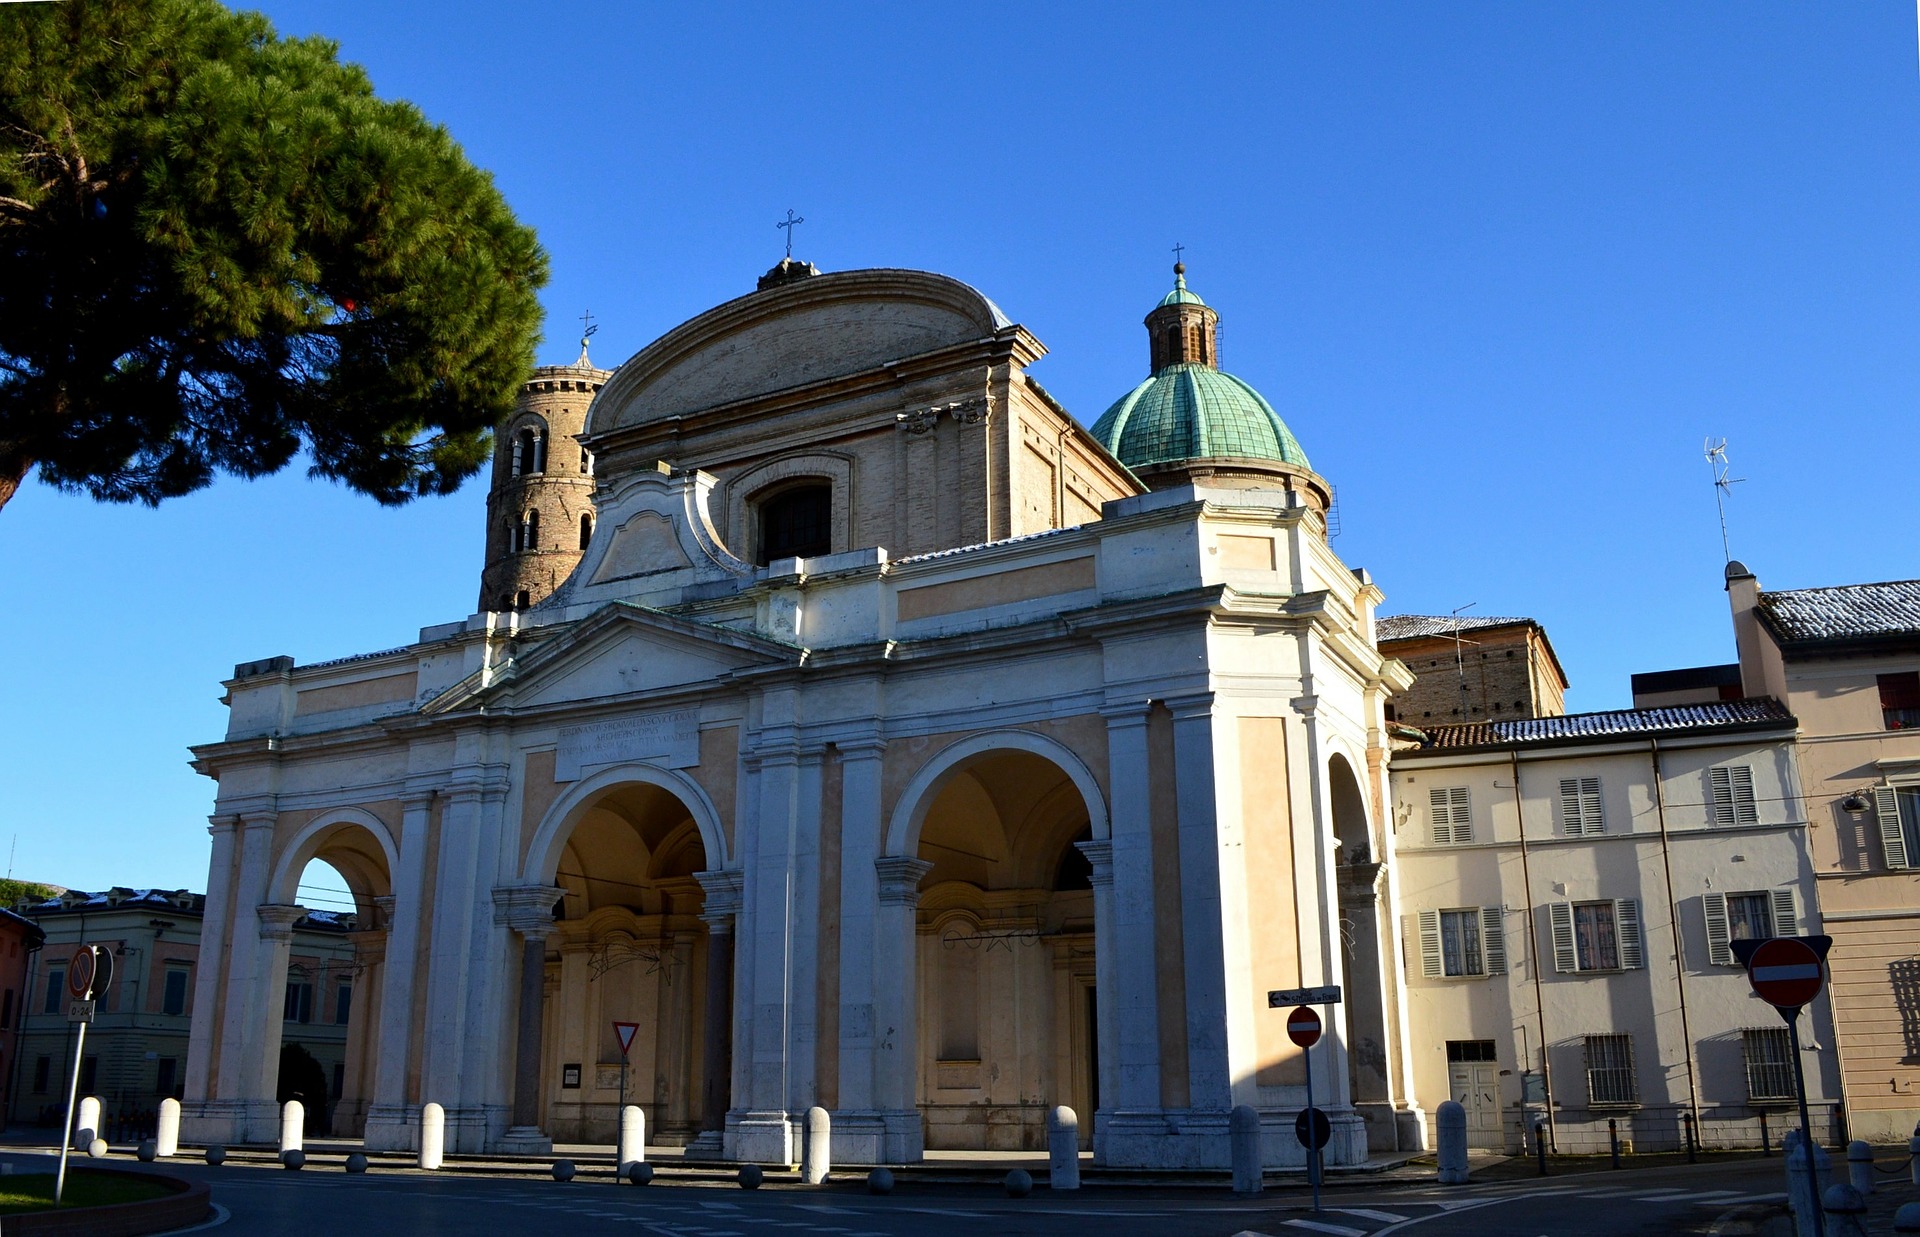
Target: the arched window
(516, 455)
(522, 600)
(529, 452)
(797, 522)
(513, 536)
(530, 531)
(586, 529)
(540, 451)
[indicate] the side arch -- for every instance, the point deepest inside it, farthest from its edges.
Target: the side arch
(910, 813)
(542, 859)
(313, 837)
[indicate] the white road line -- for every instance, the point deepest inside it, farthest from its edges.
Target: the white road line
(1338, 1230)
(1390, 1217)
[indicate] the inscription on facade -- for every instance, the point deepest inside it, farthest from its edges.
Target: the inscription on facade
(670, 739)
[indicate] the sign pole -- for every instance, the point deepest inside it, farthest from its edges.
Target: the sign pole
(1313, 1153)
(73, 1095)
(1806, 1122)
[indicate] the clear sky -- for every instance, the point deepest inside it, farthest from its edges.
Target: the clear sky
(1502, 268)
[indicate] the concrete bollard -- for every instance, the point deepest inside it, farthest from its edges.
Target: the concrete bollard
(166, 1136)
(146, 1153)
(880, 1181)
(1803, 1195)
(1451, 1122)
(356, 1163)
(293, 1158)
(86, 1123)
(816, 1154)
(1860, 1166)
(633, 1138)
(216, 1156)
(750, 1176)
(433, 1136)
(1913, 1153)
(1243, 1136)
(97, 1149)
(1019, 1183)
(1063, 1149)
(1907, 1219)
(563, 1170)
(1845, 1209)
(640, 1173)
(293, 1126)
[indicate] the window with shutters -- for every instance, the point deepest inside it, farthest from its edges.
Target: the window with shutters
(1450, 810)
(1580, 806)
(1596, 936)
(1748, 915)
(299, 1003)
(1462, 943)
(1730, 793)
(1900, 700)
(1898, 809)
(1610, 1081)
(1769, 1054)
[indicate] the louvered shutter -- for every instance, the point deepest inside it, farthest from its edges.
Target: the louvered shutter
(1786, 913)
(1580, 806)
(1893, 839)
(1451, 811)
(1565, 957)
(1493, 940)
(1430, 963)
(1720, 782)
(1745, 810)
(1626, 930)
(1719, 934)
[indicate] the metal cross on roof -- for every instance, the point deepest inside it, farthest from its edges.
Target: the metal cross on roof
(1178, 252)
(587, 329)
(789, 223)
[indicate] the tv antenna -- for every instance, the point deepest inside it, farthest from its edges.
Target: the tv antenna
(1460, 657)
(1723, 485)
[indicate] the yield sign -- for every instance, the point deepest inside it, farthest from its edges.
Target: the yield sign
(1303, 1027)
(624, 1032)
(1785, 972)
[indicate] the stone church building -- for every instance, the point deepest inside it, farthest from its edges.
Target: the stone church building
(874, 736)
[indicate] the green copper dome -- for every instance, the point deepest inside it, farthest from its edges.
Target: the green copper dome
(1194, 411)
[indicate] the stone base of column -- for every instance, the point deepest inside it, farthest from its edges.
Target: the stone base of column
(761, 1136)
(1410, 1128)
(707, 1145)
(392, 1127)
(523, 1140)
(474, 1130)
(872, 1137)
(1198, 1138)
(230, 1123)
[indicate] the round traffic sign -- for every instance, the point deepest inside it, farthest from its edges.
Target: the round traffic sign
(1312, 1128)
(1303, 1026)
(1785, 972)
(80, 973)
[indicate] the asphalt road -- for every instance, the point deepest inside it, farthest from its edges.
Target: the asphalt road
(327, 1203)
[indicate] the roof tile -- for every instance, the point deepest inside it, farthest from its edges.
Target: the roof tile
(1844, 612)
(1613, 723)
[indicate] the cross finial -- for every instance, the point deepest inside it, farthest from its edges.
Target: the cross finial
(1179, 267)
(789, 223)
(587, 330)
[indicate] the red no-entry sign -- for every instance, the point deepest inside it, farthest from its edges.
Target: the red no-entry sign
(1303, 1027)
(1785, 972)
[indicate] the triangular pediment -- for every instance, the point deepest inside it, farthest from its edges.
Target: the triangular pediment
(625, 650)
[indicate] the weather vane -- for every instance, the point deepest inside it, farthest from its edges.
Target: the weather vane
(587, 331)
(789, 223)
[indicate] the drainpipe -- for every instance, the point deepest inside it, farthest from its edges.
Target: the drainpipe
(1673, 911)
(1533, 955)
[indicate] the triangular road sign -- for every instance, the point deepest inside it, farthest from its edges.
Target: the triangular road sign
(624, 1032)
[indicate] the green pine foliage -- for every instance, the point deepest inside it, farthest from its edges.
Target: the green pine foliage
(218, 249)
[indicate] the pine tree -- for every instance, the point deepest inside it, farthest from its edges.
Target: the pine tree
(219, 249)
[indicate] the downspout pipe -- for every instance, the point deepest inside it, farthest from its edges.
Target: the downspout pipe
(1673, 912)
(1533, 953)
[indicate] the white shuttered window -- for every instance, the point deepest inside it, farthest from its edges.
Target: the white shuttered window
(1749, 915)
(1580, 806)
(1596, 936)
(1451, 811)
(1731, 792)
(1467, 942)
(1893, 830)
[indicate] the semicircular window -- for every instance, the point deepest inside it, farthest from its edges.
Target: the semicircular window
(796, 522)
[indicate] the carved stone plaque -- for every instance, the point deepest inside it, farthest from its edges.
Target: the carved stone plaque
(669, 739)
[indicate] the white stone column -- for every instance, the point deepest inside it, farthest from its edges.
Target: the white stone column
(803, 987)
(391, 1121)
(211, 967)
(1209, 1070)
(248, 1012)
(722, 904)
(528, 911)
(858, 1130)
(453, 969)
(485, 1095)
(267, 996)
(760, 1131)
(896, 1052)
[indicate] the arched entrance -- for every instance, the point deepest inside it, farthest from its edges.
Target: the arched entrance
(627, 946)
(1008, 1021)
(329, 903)
(1361, 933)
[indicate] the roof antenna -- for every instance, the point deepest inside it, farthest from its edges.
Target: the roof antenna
(1722, 488)
(1459, 658)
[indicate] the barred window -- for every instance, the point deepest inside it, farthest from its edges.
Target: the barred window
(1610, 1070)
(1769, 1053)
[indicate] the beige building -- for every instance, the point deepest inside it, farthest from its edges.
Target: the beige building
(1570, 887)
(896, 745)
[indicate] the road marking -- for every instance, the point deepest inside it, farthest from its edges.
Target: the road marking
(1391, 1217)
(1338, 1230)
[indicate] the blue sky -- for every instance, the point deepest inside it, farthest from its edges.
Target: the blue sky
(1501, 267)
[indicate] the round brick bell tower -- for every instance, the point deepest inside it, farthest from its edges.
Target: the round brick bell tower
(540, 507)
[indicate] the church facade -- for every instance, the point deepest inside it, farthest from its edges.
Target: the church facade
(866, 733)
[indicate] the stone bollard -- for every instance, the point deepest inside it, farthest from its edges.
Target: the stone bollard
(1913, 1153)
(433, 1136)
(1860, 1166)
(640, 1173)
(1803, 1195)
(86, 1125)
(97, 1149)
(216, 1156)
(1063, 1149)
(750, 1176)
(293, 1126)
(816, 1154)
(146, 1153)
(1019, 1183)
(1451, 1122)
(563, 1170)
(880, 1181)
(293, 1158)
(166, 1137)
(1243, 1135)
(356, 1163)
(1907, 1219)
(633, 1138)
(1845, 1210)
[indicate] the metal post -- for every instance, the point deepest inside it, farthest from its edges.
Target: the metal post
(1313, 1152)
(1766, 1142)
(1540, 1145)
(1613, 1140)
(617, 1112)
(1692, 1158)
(1806, 1120)
(73, 1096)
